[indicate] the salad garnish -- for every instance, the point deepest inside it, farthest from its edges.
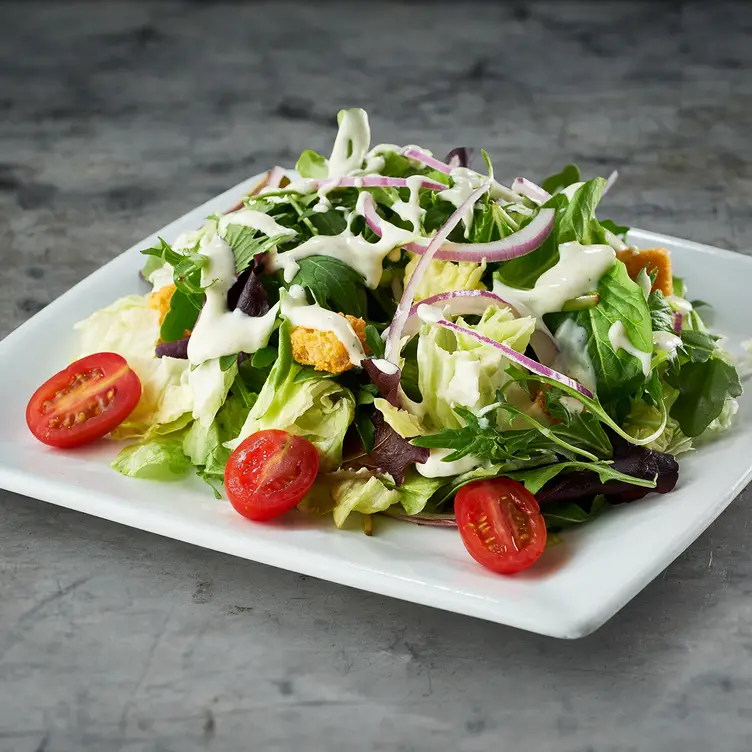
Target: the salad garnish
(391, 332)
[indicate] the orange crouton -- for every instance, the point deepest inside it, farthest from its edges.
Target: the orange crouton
(322, 350)
(656, 260)
(160, 299)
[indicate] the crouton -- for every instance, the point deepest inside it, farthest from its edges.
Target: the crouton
(322, 350)
(160, 299)
(656, 260)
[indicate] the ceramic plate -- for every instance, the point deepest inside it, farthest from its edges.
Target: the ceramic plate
(573, 589)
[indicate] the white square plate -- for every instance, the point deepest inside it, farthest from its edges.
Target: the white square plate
(574, 588)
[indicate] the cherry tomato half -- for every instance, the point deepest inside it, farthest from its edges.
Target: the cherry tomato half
(84, 402)
(500, 524)
(270, 473)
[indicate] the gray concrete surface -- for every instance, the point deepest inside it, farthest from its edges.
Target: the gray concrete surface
(114, 119)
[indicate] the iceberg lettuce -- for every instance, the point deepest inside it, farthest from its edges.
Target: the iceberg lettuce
(446, 276)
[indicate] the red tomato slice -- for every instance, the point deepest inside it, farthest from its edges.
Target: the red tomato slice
(500, 524)
(270, 473)
(83, 402)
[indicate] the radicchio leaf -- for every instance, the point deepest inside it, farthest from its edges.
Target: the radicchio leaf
(387, 383)
(177, 349)
(390, 454)
(630, 459)
(459, 157)
(248, 293)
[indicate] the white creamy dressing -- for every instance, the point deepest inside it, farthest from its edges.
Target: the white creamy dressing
(162, 277)
(617, 336)
(465, 182)
(297, 310)
(256, 220)
(385, 366)
(666, 342)
(573, 359)
(209, 386)
(577, 272)
(218, 330)
(351, 144)
(353, 250)
(435, 467)
(644, 282)
(572, 404)
(411, 210)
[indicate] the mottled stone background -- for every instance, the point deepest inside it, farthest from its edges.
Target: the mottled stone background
(117, 117)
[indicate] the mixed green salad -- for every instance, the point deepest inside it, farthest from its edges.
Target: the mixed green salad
(423, 327)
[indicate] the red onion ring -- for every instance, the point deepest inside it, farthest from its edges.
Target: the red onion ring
(367, 181)
(678, 322)
(428, 160)
(610, 181)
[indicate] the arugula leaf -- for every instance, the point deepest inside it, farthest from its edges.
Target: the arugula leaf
(536, 478)
(333, 284)
(246, 243)
(703, 388)
(186, 265)
(570, 513)
(181, 317)
(312, 165)
(578, 221)
(557, 182)
(661, 315)
(618, 374)
(619, 230)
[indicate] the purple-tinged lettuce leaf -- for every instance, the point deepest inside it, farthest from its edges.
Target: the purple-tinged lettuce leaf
(460, 157)
(177, 349)
(387, 383)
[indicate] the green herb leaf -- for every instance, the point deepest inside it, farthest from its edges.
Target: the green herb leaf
(226, 362)
(661, 315)
(619, 230)
(569, 513)
(559, 181)
(312, 165)
(374, 342)
(247, 242)
(333, 284)
(578, 221)
(703, 388)
(181, 317)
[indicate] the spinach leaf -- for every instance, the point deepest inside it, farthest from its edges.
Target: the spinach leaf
(226, 362)
(703, 388)
(698, 346)
(333, 284)
(181, 317)
(568, 175)
(618, 374)
(578, 221)
(374, 342)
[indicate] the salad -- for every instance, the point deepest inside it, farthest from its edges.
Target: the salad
(391, 333)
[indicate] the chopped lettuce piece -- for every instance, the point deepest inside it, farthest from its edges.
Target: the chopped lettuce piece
(160, 458)
(446, 276)
(460, 371)
(416, 491)
(404, 423)
(360, 493)
(210, 384)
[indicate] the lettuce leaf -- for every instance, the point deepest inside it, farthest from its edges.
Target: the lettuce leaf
(160, 458)
(315, 407)
(459, 371)
(355, 493)
(446, 276)
(416, 491)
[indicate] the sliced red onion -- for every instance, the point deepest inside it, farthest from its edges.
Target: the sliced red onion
(610, 181)
(428, 160)
(678, 322)
(423, 518)
(519, 243)
(392, 349)
(275, 177)
(456, 303)
(530, 189)
(518, 358)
